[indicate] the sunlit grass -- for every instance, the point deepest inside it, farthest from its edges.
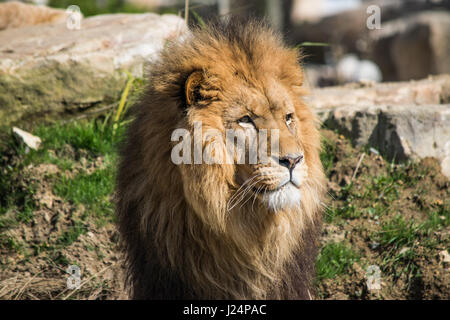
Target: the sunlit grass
(335, 259)
(91, 190)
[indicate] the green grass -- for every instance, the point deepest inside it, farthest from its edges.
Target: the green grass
(58, 258)
(376, 196)
(87, 135)
(403, 243)
(335, 259)
(70, 236)
(400, 238)
(15, 198)
(437, 220)
(86, 188)
(95, 139)
(92, 190)
(398, 232)
(327, 155)
(12, 244)
(63, 145)
(347, 210)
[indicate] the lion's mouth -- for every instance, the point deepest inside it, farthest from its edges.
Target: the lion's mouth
(266, 190)
(287, 195)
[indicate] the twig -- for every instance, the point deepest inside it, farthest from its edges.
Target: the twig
(6, 285)
(86, 281)
(25, 285)
(90, 113)
(192, 7)
(239, 9)
(186, 11)
(33, 296)
(124, 96)
(357, 166)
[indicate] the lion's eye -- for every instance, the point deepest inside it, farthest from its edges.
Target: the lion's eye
(289, 117)
(246, 121)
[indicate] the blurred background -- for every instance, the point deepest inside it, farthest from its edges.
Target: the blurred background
(340, 38)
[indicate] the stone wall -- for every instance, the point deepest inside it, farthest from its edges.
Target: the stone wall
(48, 71)
(401, 120)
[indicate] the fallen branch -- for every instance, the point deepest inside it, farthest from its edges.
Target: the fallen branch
(357, 166)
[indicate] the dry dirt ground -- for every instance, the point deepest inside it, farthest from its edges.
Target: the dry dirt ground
(35, 254)
(394, 216)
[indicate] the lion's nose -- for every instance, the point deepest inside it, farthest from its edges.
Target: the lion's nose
(290, 161)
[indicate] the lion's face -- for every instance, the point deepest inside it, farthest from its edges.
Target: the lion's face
(276, 180)
(273, 107)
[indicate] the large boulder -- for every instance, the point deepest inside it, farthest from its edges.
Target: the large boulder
(412, 41)
(406, 120)
(412, 47)
(51, 70)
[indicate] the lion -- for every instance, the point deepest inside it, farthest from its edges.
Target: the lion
(181, 237)
(15, 14)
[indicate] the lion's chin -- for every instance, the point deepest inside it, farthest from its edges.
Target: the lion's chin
(286, 197)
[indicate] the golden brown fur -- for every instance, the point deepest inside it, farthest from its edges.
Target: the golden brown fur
(180, 239)
(16, 14)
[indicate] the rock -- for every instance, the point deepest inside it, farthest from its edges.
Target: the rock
(433, 90)
(15, 14)
(444, 257)
(348, 69)
(49, 71)
(153, 4)
(351, 69)
(314, 10)
(404, 250)
(30, 140)
(445, 163)
(412, 47)
(412, 41)
(402, 121)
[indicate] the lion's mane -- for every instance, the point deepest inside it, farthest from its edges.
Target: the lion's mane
(179, 249)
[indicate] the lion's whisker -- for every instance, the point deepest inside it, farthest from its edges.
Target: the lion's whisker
(242, 194)
(242, 186)
(248, 198)
(256, 195)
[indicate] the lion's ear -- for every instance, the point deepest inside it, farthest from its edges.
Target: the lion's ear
(201, 89)
(193, 86)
